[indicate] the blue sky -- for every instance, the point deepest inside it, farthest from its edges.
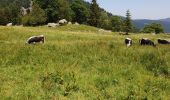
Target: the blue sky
(140, 9)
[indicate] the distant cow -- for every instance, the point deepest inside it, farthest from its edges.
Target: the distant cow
(145, 41)
(163, 41)
(35, 39)
(128, 42)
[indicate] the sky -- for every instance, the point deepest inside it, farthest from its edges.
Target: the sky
(140, 9)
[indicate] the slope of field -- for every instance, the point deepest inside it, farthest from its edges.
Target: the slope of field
(78, 62)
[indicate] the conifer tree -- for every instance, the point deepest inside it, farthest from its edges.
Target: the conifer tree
(128, 23)
(94, 19)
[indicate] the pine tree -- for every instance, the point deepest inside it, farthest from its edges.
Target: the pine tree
(94, 19)
(128, 23)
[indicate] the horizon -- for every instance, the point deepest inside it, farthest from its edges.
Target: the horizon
(139, 9)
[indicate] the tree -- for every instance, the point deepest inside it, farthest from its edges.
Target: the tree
(105, 21)
(64, 10)
(3, 16)
(117, 23)
(36, 17)
(10, 13)
(15, 13)
(135, 29)
(55, 9)
(50, 7)
(128, 23)
(81, 13)
(153, 28)
(94, 19)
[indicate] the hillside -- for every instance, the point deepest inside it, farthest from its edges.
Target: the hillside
(140, 23)
(79, 62)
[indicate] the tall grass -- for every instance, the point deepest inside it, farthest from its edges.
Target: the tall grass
(77, 62)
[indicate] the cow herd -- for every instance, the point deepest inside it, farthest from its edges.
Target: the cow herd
(128, 41)
(146, 41)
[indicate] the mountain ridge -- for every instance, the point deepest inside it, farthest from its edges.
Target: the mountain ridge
(140, 23)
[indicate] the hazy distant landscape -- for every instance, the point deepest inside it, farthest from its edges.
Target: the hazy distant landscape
(140, 23)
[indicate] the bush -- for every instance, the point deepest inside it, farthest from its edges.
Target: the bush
(153, 28)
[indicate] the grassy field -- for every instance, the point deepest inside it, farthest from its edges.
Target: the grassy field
(80, 63)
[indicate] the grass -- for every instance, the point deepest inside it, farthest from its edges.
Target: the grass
(80, 63)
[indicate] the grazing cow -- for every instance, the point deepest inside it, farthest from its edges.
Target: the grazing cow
(128, 42)
(163, 41)
(145, 41)
(35, 39)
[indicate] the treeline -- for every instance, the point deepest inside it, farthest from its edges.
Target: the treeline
(10, 11)
(42, 12)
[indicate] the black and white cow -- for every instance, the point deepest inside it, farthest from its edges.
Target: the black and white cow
(128, 42)
(163, 41)
(35, 39)
(145, 41)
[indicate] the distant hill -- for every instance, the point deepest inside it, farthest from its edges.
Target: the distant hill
(140, 23)
(165, 20)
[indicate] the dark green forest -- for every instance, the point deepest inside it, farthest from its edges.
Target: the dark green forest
(41, 12)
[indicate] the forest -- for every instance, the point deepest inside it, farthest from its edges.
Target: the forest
(41, 12)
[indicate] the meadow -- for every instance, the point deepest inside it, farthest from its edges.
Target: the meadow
(81, 63)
